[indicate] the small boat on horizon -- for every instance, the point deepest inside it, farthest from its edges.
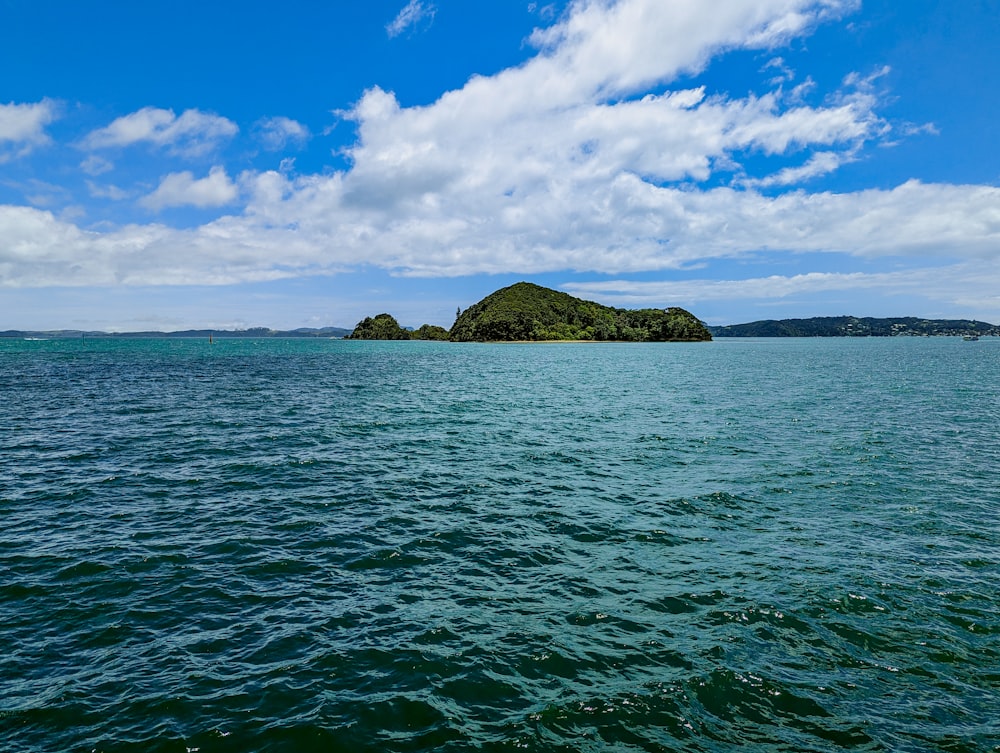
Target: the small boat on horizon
(970, 338)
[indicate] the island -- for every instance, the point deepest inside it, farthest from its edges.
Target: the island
(852, 326)
(525, 312)
(385, 327)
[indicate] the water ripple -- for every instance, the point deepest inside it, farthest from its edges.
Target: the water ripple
(298, 545)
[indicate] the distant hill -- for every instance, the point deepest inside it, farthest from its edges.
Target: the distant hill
(852, 326)
(525, 311)
(217, 334)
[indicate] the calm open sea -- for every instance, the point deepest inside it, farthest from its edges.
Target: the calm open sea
(300, 545)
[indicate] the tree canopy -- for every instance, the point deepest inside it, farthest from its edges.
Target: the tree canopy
(385, 327)
(525, 311)
(379, 327)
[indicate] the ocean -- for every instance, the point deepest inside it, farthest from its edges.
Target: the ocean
(326, 545)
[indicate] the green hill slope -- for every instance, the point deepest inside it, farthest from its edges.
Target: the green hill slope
(525, 311)
(385, 327)
(379, 327)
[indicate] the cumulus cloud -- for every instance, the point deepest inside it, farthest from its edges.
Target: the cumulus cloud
(193, 133)
(415, 12)
(279, 132)
(22, 127)
(615, 48)
(182, 189)
(39, 249)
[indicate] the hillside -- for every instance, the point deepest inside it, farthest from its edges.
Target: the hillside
(525, 311)
(385, 327)
(852, 326)
(379, 327)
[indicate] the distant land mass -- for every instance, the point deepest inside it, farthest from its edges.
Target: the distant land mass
(525, 312)
(205, 333)
(852, 326)
(528, 312)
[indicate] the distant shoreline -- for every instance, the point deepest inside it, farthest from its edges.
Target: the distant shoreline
(220, 334)
(840, 326)
(853, 326)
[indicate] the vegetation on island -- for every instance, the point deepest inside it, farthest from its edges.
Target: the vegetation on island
(379, 327)
(852, 326)
(385, 327)
(528, 312)
(429, 332)
(525, 311)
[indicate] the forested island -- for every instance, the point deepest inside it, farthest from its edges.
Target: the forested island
(528, 312)
(852, 326)
(385, 327)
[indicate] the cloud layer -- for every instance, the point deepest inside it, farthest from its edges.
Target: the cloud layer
(581, 158)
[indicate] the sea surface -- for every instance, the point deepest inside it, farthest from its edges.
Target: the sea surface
(324, 545)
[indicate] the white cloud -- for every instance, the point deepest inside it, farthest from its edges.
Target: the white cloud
(818, 164)
(289, 232)
(39, 250)
(22, 127)
(614, 48)
(410, 16)
(782, 73)
(112, 192)
(546, 12)
(866, 83)
(277, 133)
(182, 189)
(96, 165)
(39, 193)
(191, 134)
(912, 129)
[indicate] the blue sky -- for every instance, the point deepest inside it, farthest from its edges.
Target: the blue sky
(222, 164)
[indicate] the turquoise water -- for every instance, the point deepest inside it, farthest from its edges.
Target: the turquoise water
(294, 545)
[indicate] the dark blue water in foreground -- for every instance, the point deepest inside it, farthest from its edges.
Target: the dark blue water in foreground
(772, 545)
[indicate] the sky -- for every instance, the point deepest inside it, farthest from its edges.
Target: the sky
(211, 163)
